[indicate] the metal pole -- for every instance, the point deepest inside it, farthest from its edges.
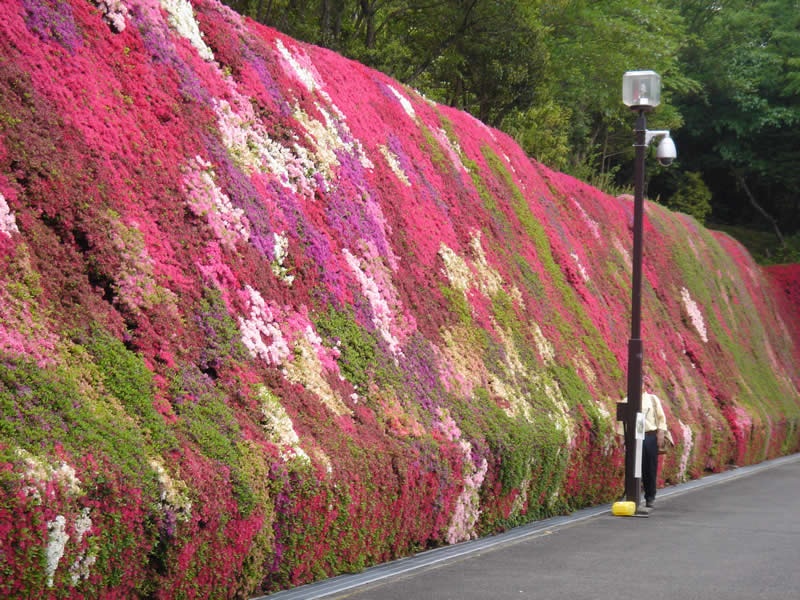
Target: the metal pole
(635, 347)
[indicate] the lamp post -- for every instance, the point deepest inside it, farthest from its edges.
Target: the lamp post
(641, 91)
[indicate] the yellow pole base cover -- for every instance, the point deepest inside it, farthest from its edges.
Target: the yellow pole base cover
(624, 509)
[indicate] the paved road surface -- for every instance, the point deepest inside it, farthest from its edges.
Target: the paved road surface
(732, 536)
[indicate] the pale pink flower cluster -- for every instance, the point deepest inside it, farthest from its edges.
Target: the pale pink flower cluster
(623, 251)
(467, 509)
(208, 201)
(446, 425)
(114, 13)
(581, 268)
(181, 18)
(8, 224)
(261, 334)
(251, 148)
(377, 288)
(452, 148)
(593, 225)
(694, 314)
(22, 333)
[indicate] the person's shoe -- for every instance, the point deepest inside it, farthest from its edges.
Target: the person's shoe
(650, 503)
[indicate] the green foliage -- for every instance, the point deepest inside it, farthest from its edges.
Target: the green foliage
(358, 347)
(67, 405)
(211, 424)
(693, 197)
(742, 126)
(592, 338)
(129, 380)
(542, 131)
(221, 337)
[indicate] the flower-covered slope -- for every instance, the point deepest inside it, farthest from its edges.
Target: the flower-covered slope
(269, 316)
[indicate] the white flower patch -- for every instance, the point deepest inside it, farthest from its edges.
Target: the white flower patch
(248, 143)
(181, 18)
(380, 300)
(688, 443)
(694, 314)
(327, 138)
(40, 475)
(456, 268)
(404, 102)
(260, 332)
(509, 163)
(594, 226)
(8, 223)
(208, 201)
(279, 427)
(546, 349)
(38, 472)
(81, 566)
(467, 509)
(561, 418)
(57, 538)
(174, 494)
(462, 277)
(522, 498)
(517, 404)
(114, 13)
(581, 268)
(394, 164)
(302, 67)
(489, 280)
(281, 251)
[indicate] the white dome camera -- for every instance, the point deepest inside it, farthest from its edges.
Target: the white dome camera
(666, 153)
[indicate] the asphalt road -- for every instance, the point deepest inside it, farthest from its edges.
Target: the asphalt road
(733, 536)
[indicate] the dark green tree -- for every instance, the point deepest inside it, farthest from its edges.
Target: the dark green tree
(742, 127)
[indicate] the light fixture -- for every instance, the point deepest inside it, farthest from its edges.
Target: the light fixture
(641, 89)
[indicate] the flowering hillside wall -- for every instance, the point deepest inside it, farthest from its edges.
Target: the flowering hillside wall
(269, 316)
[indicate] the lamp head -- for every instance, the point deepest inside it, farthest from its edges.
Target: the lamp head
(641, 90)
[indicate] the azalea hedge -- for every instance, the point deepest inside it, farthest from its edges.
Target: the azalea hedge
(269, 316)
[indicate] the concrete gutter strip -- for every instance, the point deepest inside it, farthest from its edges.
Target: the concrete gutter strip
(343, 583)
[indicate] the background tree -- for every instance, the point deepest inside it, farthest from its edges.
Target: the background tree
(742, 127)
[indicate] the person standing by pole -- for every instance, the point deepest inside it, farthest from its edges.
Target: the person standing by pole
(655, 426)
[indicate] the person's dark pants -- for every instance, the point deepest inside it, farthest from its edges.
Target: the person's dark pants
(650, 465)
